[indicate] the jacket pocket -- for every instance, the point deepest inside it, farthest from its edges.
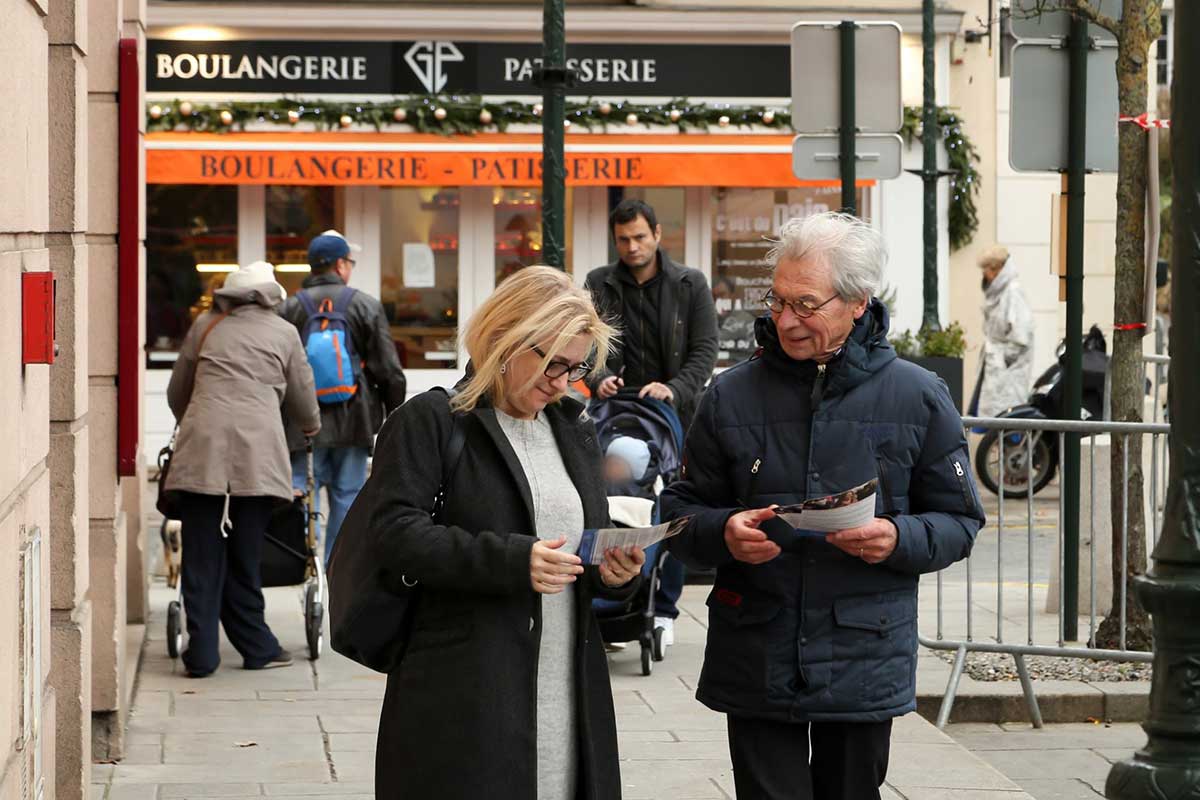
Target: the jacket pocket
(874, 648)
(738, 656)
(958, 463)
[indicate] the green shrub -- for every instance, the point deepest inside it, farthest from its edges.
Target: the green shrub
(948, 343)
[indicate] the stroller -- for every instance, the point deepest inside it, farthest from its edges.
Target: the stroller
(657, 424)
(290, 558)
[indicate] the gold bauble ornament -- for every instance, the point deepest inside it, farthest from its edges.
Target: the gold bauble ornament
(537, 109)
(675, 114)
(485, 117)
(156, 112)
(439, 114)
(293, 116)
(723, 121)
(605, 108)
(185, 108)
(631, 119)
(768, 117)
(400, 115)
(345, 121)
(226, 118)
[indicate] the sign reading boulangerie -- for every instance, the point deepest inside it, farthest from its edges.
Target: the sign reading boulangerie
(431, 67)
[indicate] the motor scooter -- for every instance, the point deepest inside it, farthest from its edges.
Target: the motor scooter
(1032, 456)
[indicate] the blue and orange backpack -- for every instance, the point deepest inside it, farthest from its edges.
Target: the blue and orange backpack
(329, 347)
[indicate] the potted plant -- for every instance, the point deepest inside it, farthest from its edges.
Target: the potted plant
(940, 352)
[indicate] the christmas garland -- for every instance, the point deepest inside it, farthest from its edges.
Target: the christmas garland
(961, 157)
(469, 114)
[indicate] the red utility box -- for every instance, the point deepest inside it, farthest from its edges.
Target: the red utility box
(37, 318)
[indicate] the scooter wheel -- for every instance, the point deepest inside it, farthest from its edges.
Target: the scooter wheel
(174, 629)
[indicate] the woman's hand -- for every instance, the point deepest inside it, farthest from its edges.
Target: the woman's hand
(551, 571)
(620, 567)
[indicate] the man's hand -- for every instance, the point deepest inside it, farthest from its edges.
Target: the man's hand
(873, 542)
(745, 541)
(659, 391)
(609, 387)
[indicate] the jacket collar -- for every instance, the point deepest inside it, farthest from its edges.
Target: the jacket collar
(1003, 279)
(327, 278)
(576, 445)
(865, 352)
(669, 269)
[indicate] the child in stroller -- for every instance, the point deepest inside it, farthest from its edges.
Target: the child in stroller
(642, 442)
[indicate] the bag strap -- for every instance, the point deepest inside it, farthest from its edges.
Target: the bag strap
(342, 301)
(454, 450)
(208, 330)
(307, 302)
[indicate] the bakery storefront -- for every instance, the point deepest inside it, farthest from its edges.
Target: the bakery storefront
(256, 146)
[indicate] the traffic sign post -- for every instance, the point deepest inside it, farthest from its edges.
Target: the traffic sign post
(1060, 61)
(840, 122)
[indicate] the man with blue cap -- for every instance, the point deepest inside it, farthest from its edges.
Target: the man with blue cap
(348, 339)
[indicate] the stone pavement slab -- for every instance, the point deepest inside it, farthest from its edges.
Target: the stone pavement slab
(308, 731)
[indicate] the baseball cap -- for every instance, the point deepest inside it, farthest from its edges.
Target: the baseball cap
(327, 248)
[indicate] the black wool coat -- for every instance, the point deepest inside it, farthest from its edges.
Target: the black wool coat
(459, 719)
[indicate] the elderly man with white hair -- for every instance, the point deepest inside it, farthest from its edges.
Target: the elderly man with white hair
(812, 637)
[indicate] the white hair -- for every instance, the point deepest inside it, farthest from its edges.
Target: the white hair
(853, 249)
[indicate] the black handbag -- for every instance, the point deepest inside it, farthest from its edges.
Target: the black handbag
(370, 618)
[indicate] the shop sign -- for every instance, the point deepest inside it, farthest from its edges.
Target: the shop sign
(489, 68)
(450, 168)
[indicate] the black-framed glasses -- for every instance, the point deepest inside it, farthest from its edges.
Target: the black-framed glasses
(801, 308)
(556, 368)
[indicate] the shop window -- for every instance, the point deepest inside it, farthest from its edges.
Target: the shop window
(296, 214)
(419, 244)
(518, 217)
(669, 207)
(744, 222)
(191, 244)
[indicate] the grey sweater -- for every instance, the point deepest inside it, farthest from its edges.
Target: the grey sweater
(559, 512)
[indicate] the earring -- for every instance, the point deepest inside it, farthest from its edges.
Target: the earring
(503, 368)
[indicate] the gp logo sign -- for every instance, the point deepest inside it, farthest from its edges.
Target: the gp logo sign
(428, 59)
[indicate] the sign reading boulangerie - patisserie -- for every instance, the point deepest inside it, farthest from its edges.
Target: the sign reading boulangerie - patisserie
(493, 68)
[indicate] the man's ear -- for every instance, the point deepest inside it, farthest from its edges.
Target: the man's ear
(861, 307)
(658, 232)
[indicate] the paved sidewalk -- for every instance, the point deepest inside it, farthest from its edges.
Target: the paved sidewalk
(308, 731)
(1059, 762)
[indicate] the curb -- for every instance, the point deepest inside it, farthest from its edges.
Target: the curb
(1059, 701)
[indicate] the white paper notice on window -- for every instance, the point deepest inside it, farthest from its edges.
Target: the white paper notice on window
(418, 266)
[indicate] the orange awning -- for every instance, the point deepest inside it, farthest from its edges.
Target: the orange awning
(490, 159)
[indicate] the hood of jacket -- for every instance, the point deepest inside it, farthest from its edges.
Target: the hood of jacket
(865, 352)
(1004, 278)
(267, 295)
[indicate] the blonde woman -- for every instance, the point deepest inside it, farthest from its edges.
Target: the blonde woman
(503, 691)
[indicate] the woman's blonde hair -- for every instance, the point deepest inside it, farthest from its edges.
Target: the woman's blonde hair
(536, 306)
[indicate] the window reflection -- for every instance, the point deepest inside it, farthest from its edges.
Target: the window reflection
(295, 215)
(419, 243)
(191, 241)
(518, 220)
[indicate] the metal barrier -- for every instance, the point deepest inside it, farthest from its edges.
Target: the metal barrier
(1030, 434)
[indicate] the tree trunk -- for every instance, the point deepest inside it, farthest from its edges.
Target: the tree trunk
(1139, 29)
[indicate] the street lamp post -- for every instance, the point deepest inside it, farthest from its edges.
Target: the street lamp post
(1169, 765)
(554, 79)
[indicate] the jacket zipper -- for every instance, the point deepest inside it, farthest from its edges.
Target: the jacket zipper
(818, 388)
(968, 498)
(884, 489)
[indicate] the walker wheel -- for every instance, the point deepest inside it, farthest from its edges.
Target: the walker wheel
(647, 660)
(659, 650)
(314, 617)
(174, 629)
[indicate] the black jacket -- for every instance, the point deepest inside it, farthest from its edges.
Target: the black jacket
(687, 324)
(816, 634)
(381, 386)
(459, 718)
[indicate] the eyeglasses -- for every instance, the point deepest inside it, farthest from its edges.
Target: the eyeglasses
(556, 369)
(801, 308)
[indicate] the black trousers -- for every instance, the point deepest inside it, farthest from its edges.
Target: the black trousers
(773, 760)
(221, 581)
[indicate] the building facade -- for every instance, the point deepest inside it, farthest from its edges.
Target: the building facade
(72, 576)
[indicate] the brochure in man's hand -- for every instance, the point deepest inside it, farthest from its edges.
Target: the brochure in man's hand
(852, 508)
(596, 542)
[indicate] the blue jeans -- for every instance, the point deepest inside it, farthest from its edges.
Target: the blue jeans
(341, 472)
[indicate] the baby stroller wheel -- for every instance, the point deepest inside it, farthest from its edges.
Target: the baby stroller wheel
(659, 651)
(314, 615)
(174, 629)
(647, 659)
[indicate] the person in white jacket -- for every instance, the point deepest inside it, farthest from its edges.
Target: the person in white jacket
(1006, 366)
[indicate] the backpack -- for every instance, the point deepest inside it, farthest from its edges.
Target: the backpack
(329, 346)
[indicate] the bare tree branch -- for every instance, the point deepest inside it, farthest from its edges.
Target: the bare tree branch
(1085, 9)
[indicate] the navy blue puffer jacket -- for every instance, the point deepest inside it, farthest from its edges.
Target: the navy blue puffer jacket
(816, 634)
